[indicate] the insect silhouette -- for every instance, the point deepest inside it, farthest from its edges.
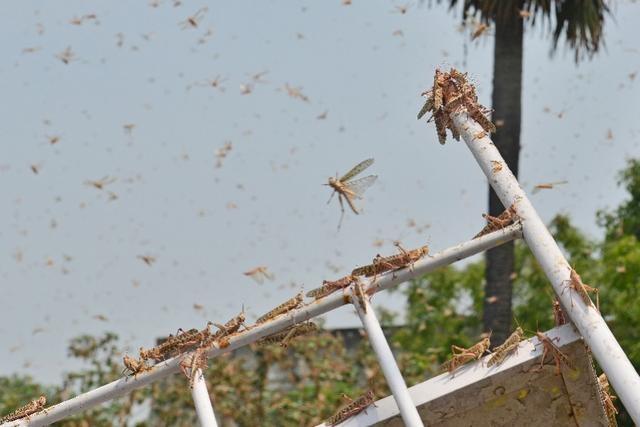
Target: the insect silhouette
(349, 189)
(193, 20)
(147, 259)
(547, 186)
(100, 183)
(259, 274)
(66, 56)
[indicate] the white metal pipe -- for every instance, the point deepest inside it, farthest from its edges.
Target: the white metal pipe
(408, 410)
(202, 402)
(123, 386)
(589, 322)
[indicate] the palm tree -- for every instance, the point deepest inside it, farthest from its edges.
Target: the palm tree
(580, 23)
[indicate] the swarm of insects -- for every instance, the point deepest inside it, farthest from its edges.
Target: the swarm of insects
(506, 218)
(575, 284)
(283, 308)
(452, 93)
(328, 288)
(284, 337)
(26, 410)
(134, 366)
(607, 399)
(394, 262)
(505, 349)
(350, 190)
(461, 355)
(550, 348)
(354, 407)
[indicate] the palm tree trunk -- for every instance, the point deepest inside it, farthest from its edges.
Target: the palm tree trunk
(507, 90)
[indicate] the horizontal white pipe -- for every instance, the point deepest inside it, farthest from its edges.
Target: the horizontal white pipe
(408, 410)
(202, 402)
(123, 386)
(589, 322)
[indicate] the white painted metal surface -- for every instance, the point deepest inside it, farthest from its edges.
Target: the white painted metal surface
(596, 333)
(388, 364)
(472, 373)
(202, 401)
(123, 386)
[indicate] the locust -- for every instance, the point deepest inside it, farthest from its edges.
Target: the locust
(461, 355)
(328, 288)
(177, 344)
(505, 349)
(575, 283)
(134, 366)
(607, 398)
(360, 295)
(354, 407)
(191, 363)
(285, 307)
(550, 348)
(348, 189)
(231, 327)
(506, 218)
(284, 337)
(558, 314)
(24, 411)
(383, 264)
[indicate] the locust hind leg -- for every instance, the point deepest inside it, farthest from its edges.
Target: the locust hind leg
(342, 211)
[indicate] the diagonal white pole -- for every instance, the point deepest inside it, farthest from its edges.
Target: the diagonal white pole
(202, 401)
(118, 388)
(589, 322)
(408, 410)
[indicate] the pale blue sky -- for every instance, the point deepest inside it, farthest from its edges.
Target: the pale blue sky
(173, 203)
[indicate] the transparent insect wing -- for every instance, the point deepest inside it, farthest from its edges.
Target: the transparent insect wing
(257, 277)
(359, 186)
(267, 275)
(356, 169)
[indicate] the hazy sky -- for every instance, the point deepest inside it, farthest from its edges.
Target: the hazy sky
(69, 252)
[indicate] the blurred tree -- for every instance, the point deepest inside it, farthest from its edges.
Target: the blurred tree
(581, 23)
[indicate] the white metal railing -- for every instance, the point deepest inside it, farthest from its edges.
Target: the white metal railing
(587, 319)
(123, 386)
